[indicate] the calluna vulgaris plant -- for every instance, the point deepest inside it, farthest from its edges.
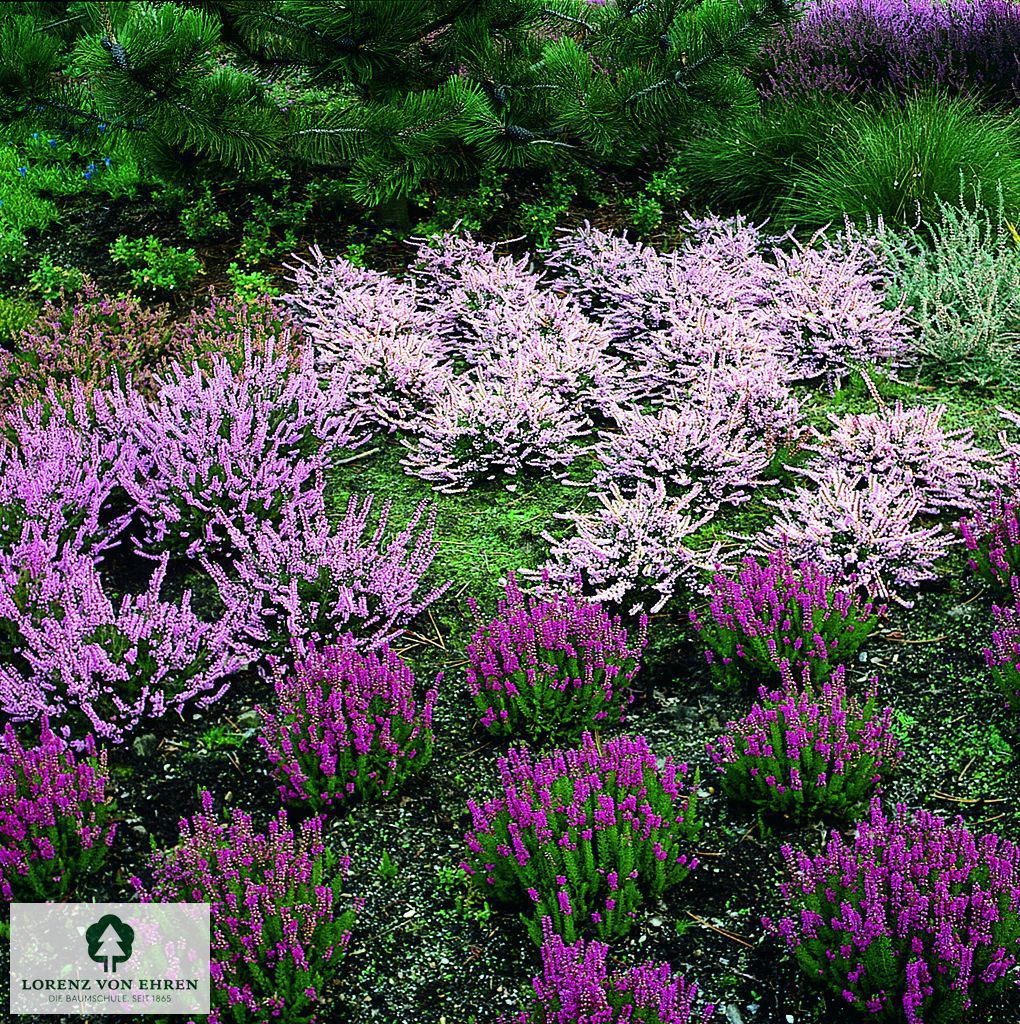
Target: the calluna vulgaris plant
(555, 667)
(584, 835)
(778, 611)
(992, 539)
(345, 725)
(800, 752)
(308, 580)
(577, 987)
(55, 817)
(910, 919)
(67, 651)
(279, 931)
(1003, 657)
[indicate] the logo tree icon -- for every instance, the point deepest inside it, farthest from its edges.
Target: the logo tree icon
(109, 941)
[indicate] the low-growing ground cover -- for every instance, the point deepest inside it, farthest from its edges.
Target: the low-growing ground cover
(614, 624)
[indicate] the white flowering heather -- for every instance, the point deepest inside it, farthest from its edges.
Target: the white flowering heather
(494, 429)
(828, 303)
(1010, 455)
(683, 447)
(909, 447)
(631, 551)
(860, 527)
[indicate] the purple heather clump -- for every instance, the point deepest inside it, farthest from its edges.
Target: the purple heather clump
(279, 930)
(576, 987)
(55, 817)
(682, 447)
(802, 751)
(556, 667)
(859, 47)
(992, 539)
(306, 580)
(778, 611)
(72, 655)
(584, 834)
(910, 918)
(1003, 657)
(910, 448)
(345, 725)
(851, 525)
(224, 443)
(59, 475)
(494, 430)
(633, 552)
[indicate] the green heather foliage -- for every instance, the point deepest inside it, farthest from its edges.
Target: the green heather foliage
(960, 275)
(392, 94)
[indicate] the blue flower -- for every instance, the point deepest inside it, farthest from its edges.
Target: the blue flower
(87, 175)
(106, 160)
(35, 135)
(53, 143)
(23, 171)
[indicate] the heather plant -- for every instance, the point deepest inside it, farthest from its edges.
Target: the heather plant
(584, 835)
(633, 552)
(577, 987)
(87, 338)
(556, 667)
(153, 265)
(310, 581)
(230, 444)
(494, 430)
(345, 726)
(855, 526)
(1003, 657)
(683, 447)
(909, 447)
(778, 612)
(279, 927)
(991, 537)
(910, 918)
(801, 752)
(959, 276)
(59, 475)
(56, 820)
(863, 47)
(73, 655)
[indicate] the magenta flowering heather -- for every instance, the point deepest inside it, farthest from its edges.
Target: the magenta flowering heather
(1003, 657)
(279, 931)
(345, 725)
(55, 817)
(777, 611)
(554, 667)
(800, 752)
(73, 655)
(912, 918)
(308, 580)
(577, 987)
(992, 539)
(584, 835)
(909, 447)
(223, 442)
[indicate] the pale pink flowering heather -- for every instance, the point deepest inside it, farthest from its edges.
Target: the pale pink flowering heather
(682, 447)
(83, 661)
(576, 987)
(632, 551)
(493, 429)
(304, 580)
(59, 474)
(828, 303)
(854, 526)
(279, 927)
(55, 816)
(909, 448)
(228, 443)
(1010, 449)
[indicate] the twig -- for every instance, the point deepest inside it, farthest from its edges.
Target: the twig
(966, 768)
(969, 799)
(721, 931)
